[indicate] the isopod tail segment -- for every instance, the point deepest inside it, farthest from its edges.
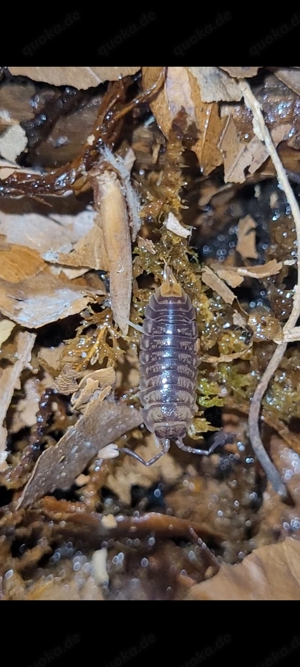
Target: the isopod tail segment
(168, 367)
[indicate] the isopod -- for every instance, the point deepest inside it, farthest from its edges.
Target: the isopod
(168, 367)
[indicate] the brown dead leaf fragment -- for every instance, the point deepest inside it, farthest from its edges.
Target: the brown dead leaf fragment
(268, 573)
(214, 282)
(246, 238)
(113, 220)
(13, 142)
(9, 380)
(79, 77)
(241, 72)
(43, 298)
(234, 275)
(215, 85)
(239, 155)
(6, 327)
(97, 384)
(58, 466)
(290, 76)
(46, 233)
(181, 91)
(18, 263)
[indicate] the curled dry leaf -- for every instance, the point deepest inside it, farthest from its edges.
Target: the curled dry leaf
(246, 238)
(123, 167)
(13, 142)
(9, 380)
(234, 275)
(181, 91)
(113, 220)
(268, 573)
(214, 282)
(78, 77)
(173, 225)
(58, 466)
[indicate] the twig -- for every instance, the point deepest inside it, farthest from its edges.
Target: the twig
(263, 134)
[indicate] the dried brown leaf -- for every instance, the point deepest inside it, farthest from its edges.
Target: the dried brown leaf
(18, 263)
(230, 275)
(6, 327)
(10, 379)
(241, 72)
(214, 282)
(239, 155)
(78, 77)
(46, 233)
(181, 91)
(88, 252)
(123, 168)
(290, 76)
(268, 573)
(58, 466)
(247, 237)
(215, 85)
(234, 275)
(13, 142)
(43, 298)
(113, 220)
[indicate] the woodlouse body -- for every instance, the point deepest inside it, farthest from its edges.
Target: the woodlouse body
(168, 368)
(168, 362)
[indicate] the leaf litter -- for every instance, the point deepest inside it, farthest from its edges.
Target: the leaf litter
(84, 242)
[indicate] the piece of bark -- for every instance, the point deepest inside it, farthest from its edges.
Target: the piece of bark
(58, 466)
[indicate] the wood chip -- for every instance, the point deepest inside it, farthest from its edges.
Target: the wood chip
(78, 77)
(10, 379)
(173, 225)
(13, 142)
(113, 220)
(246, 244)
(58, 466)
(214, 282)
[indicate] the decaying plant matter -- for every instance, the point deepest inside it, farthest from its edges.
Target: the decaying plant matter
(193, 171)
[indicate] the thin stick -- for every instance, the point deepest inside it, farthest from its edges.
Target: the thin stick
(263, 134)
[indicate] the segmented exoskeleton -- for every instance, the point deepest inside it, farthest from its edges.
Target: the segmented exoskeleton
(168, 367)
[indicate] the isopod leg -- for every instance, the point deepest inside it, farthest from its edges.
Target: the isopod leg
(192, 450)
(165, 449)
